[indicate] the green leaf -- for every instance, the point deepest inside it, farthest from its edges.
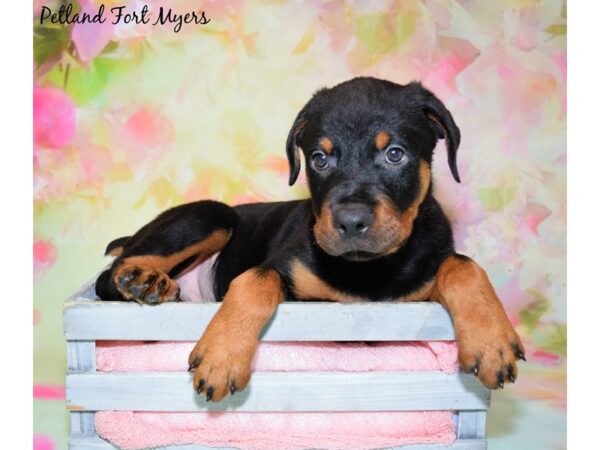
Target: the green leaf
(557, 29)
(110, 47)
(494, 199)
(87, 83)
(385, 33)
(49, 42)
(535, 311)
(555, 341)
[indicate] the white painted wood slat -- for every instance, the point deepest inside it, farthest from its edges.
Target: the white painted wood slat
(471, 424)
(280, 391)
(293, 321)
(81, 357)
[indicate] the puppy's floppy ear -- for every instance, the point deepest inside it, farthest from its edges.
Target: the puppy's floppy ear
(293, 151)
(443, 125)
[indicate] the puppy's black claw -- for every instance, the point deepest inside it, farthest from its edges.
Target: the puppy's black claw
(132, 276)
(152, 299)
(128, 278)
(232, 388)
(209, 393)
(475, 368)
(161, 286)
(511, 374)
(519, 353)
(150, 280)
(194, 364)
(500, 377)
(134, 273)
(178, 296)
(200, 386)
(137, 291)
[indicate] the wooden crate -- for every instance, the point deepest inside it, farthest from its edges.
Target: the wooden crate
(86, 320)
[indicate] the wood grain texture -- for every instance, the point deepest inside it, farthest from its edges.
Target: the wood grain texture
(281, 391)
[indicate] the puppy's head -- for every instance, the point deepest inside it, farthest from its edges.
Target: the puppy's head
(368, 146)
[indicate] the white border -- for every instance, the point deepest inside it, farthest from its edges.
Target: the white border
(17, 228)
(583, 232)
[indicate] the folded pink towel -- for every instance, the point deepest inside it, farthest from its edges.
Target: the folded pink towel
(276, 431)
(281, 431)
(132, 356)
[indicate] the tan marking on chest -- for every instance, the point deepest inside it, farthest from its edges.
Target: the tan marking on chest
(308, 286)
(420, 295)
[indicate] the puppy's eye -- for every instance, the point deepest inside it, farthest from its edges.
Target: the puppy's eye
(319, 160)
(394, 155)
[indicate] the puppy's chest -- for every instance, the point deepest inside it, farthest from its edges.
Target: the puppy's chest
(306, 285)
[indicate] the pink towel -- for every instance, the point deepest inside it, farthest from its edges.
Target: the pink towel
(281, 431)
(132, 356)
(276, 431)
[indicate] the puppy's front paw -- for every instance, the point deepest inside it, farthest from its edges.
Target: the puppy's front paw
(490, 352)
(221, 361)
(145, 285)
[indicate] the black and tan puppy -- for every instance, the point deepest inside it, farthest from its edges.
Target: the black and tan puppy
(372, 231)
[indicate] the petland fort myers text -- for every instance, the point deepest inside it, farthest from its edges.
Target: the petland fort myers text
(68, 14)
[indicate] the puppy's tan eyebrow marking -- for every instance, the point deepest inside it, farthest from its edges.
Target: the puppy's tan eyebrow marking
(382, 140)
(326, 145)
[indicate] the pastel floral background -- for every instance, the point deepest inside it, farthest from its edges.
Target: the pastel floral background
(132, 119)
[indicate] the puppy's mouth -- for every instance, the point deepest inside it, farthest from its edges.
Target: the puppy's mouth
(360, 256)
(358, 250)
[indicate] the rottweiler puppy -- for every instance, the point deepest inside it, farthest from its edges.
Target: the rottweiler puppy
(371, 231)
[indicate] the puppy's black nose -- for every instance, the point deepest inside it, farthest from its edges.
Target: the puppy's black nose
(352, 220)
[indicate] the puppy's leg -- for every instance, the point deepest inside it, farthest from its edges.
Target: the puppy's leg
(171, 244)
(222, 358)
(488, 345)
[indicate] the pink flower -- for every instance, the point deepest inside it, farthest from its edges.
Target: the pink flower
(44, 255)
(48, 392)
(545, 358)
(149, 128)
(53, 117)
(536, 214)
(441, 76)
(42, 442)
